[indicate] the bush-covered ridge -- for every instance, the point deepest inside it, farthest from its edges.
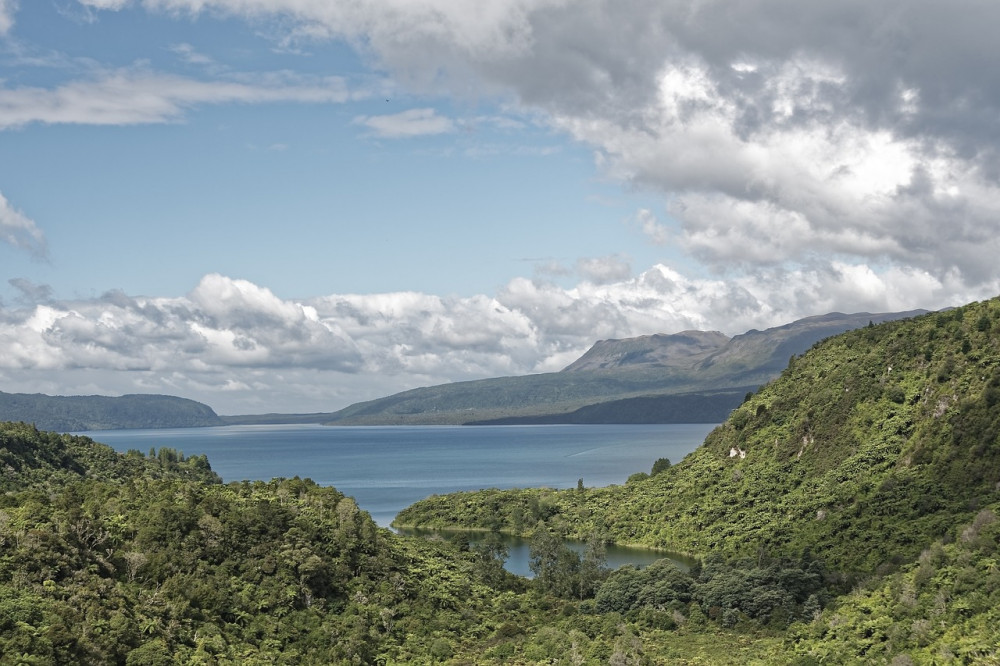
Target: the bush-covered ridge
(867, 448)
(104, 566)
(943, 608)
(33, 458)
(148, 559)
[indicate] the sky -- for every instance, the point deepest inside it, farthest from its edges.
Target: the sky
(295, 205)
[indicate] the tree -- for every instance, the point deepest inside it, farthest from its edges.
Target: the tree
(593, 567)
(661, 464)
(491, 553)
(555, 565)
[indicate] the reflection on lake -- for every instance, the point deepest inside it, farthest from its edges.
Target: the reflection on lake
(519, 550)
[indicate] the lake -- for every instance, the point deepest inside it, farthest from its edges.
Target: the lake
(385, 469)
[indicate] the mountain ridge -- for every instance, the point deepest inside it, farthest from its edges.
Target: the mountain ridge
(690, 376)
(689, 363)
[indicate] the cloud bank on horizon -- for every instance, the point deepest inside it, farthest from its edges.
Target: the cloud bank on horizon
(802, 157)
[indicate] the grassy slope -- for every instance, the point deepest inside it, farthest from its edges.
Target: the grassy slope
(867, 448)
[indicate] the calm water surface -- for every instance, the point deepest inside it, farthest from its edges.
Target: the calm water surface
(388, 468)
(519, 551)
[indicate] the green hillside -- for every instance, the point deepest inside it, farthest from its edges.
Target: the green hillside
(110, 558)
(866, 449)
(95, 412)
(943, 608)
(876, 454)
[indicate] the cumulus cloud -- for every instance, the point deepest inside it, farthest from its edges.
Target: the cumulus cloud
(776, 130)
(135, 96)
(239, 347)
(814, 156)
(410, 123)
(19, 230)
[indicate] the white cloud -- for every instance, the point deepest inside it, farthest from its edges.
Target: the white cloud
(190, 55)
(136, 96)
(241, 349)
(19, 230)
(820, 156)
(771, 112)
(7, 10)
(410, 123)
(653, 229)
(604, 270)
(105, 4)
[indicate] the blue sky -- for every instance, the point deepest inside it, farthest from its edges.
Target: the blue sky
(304, 197)
(292, 206)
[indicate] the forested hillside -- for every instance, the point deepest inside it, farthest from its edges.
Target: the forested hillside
(149, 559)
(78, 413)
(877, 451)
(866, 448)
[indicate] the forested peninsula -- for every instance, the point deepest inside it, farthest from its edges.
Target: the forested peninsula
(844, 513)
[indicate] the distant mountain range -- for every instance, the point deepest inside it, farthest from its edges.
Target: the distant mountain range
(687, 377)
(96, 412)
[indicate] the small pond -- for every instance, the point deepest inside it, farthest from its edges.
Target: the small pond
(519, 549)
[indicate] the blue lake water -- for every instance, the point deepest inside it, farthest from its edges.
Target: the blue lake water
(386, 469)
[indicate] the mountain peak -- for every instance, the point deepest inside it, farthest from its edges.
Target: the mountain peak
(658, 350)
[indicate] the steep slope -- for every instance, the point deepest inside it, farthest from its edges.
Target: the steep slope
(702, 365)
(763, 354)
(867, 448)
(942, 609)
(95, 412)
